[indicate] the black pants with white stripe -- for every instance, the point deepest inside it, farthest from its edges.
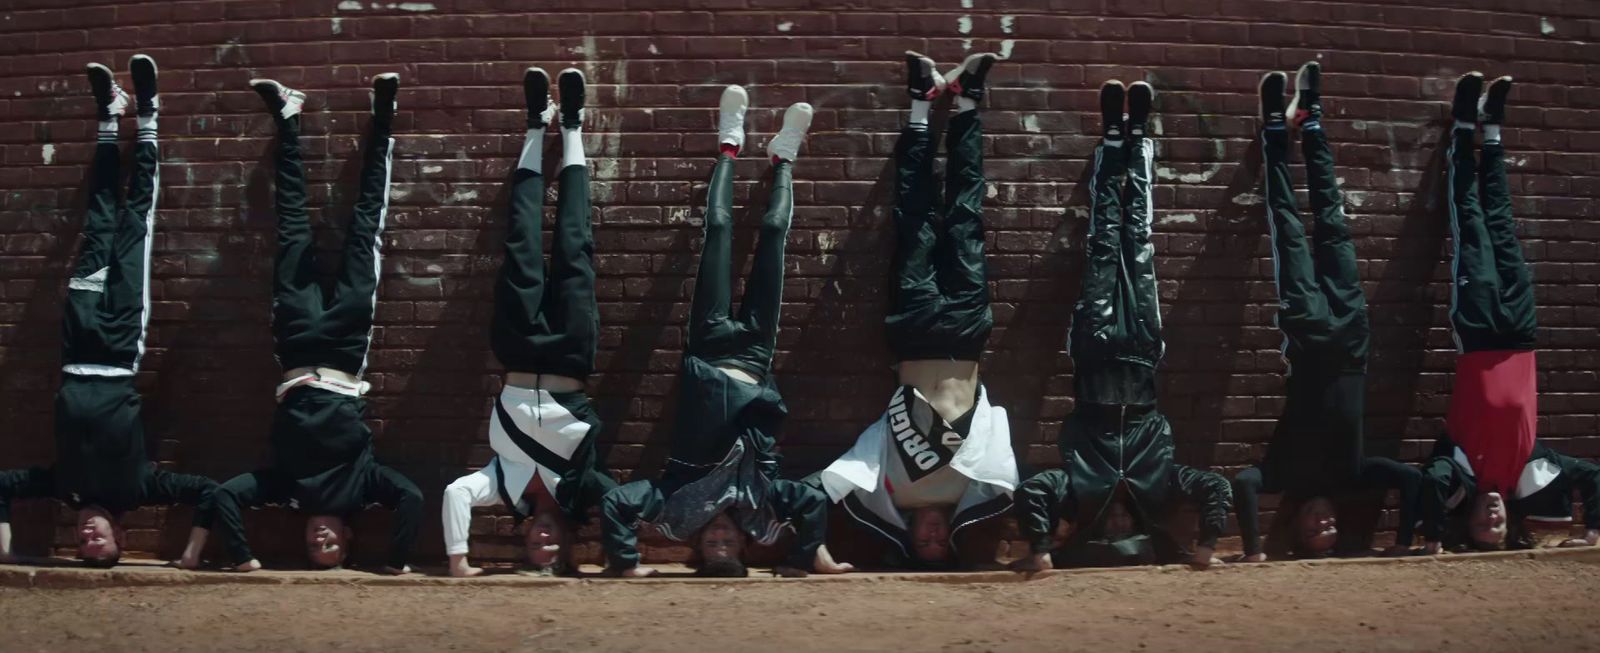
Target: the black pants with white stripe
(1317, 447)
(716, 335)
(107, 309)
(312, 326)
(545, 319)
(1492, 306)
(1115, 339)
(939, 302)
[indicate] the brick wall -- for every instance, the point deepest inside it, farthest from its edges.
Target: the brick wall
(656, 68)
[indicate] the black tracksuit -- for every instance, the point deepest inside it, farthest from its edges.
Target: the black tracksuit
(724, 442)
(1448, 488)
(1322, 311)
(546, 322)
(323, 463)
(1117, 444)
(939, 305)
(100, 449)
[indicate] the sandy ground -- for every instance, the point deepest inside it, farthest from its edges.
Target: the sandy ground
(1505, 603)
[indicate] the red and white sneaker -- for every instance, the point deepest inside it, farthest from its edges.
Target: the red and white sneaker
(281, 100)
(730, 117)
(796, 121)
(110, 100)
(922, 81)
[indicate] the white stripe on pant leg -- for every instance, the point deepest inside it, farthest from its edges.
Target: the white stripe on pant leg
(149, 245)
(1272, 234)
(377, 250)
(1455, 240)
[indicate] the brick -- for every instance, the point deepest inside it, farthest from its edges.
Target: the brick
(656, 69)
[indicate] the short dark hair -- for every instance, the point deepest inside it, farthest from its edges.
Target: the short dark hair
(723, 568)
(106, 562)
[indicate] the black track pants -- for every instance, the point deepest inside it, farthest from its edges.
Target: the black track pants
(108, 301)
(545, 319)
(939, 306)
(313, 327)
(1491, 299)
(717, 335)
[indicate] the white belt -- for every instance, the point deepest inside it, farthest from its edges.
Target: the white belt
(315, 380)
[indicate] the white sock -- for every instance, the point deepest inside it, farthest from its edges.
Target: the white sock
(147, 127)
(1465, 125)
(572, 147)
(1491, 133)
(532, 151)
(919, 112)
(965, 104)
(108, 131)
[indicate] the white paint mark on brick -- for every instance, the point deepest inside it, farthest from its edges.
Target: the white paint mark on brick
(785, 26)
(992, 192)
(429, 170)
(224, 51)
(825, 241)
(1007, 23)
(964, 24)
(1221, 149)
(1178, 218)
(1030, 123)
(337, 28)
(1355, 198)
(399, 192)
(966, 44)
(1156, 128)
(1247, 199)
(433, 268)
(966, 4)
(654, 49)
(678, 215)
(416, 6)
(349, 5)
(459, 195)
(1546, 27)
(48, 153)
(1005, 48)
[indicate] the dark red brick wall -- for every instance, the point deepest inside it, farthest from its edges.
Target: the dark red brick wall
(656, 67)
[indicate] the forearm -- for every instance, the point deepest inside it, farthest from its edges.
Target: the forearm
(5, 538)
(806, 510)
(1212, 495)
(1246, 490)
(228, 516)
(197, 543)
(457, 517)
(1038, 502)
(621, 512)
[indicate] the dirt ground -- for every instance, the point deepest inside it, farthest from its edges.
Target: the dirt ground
(1502, 604)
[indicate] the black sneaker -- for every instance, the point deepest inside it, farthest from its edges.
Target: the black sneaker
(572, 97)
(1112, 94)
(922, 81)
(536, 90)
(1140, 97)
(282, 101)
(1468, 89)
(143, 69)
(1307, 102)
(1271, 92)
(1492, 106)
(385, 94)
(967, 79)
(110, 100)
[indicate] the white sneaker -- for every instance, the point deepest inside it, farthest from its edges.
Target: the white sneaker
(730, 116)
(796, 120)
(286, 101)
